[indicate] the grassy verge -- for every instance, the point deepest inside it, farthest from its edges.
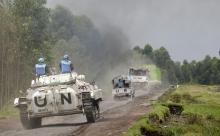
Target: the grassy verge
(8, 111)
(199, 114)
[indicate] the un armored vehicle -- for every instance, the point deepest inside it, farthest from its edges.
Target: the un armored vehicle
(58, 95)
(139, 77)
(122, 87)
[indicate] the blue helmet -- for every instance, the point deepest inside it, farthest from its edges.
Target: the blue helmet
(41, 60)
(66, 56)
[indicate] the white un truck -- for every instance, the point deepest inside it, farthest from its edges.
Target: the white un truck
(58, 95)
(139, 77)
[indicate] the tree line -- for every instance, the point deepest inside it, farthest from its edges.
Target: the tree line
(23, 37)
(206, 71)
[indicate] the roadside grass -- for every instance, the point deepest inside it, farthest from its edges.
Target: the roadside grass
(200, 116)
(8, 111)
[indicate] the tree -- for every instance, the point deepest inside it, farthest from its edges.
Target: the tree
(62, 24)
(9, 54)
(148, 50)
(186, 71)
(137, 49)
(161, 57)
(178, 72)
(32, 18)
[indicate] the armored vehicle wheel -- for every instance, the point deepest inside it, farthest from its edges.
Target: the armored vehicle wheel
(116, 98)
(29, 123)
(91, 115)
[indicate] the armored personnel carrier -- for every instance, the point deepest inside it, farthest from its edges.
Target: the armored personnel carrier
(122, 87)
(58, 95)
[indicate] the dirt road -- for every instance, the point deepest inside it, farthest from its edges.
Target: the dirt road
(116, 117)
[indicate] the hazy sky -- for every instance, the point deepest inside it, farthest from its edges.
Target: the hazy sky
(189, 29)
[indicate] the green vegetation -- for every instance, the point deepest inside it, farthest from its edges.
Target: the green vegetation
(206, 71)
(24, 38)
(8, 111)
(162, 60)
(200, 116)
(155, 73)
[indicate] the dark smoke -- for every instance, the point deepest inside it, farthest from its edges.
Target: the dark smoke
(108, 53)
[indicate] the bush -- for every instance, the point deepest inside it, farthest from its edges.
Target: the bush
(192, 118)
(155, 132)
(176, 98)
(188, 98)
(210, 117)
(175, 109)
(153, 118)
(162, 112)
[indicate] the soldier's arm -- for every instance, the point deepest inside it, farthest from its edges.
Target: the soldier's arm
(47, 69)
(71, 66)
(60, 65)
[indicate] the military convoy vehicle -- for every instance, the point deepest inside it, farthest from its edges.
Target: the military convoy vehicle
(139, 77)
(58, 95)
(122, 87)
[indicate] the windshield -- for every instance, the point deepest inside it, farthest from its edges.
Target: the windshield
(138, 72)
(120, 83)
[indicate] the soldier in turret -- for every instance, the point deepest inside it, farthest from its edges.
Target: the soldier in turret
(41, 67)
(66, 65)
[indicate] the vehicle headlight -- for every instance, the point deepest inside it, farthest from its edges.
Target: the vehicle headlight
(92, 94)
(16, 101)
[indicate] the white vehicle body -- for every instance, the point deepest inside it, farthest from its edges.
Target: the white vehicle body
(138, 79)
(124, 89)
(138, 76)
(59, 95)
(120, 92)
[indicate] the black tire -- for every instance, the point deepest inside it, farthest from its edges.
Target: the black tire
(91, 115)
(29, 123)
(115, 98)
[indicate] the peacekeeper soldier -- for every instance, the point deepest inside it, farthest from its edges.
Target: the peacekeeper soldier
(66, 65)
(41, 67)
(120, 83)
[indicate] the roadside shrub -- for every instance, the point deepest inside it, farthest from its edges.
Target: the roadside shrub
(166, 115)
(175, 109)
(162, 112)
(165, 96)
(188, 98)
(210, 117)
(192, 118)
(176, 98)
(155, 132)
(216, 89)
(153, 117)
